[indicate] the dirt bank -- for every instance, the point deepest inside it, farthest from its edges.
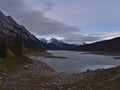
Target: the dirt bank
(37, 75)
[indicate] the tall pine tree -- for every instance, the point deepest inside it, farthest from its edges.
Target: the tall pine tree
(18, 43)
(3, 48)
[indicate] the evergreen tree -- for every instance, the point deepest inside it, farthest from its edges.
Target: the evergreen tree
(3, 48)
(18, 43)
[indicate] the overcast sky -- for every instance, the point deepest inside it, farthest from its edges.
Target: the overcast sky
(74, 21)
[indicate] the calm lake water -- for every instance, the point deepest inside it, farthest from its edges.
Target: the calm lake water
(77, 62)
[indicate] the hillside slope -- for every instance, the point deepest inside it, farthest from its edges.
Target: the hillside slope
(9, 29)
(106, 45)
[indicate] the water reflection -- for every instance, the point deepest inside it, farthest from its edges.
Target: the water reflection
(78, 62)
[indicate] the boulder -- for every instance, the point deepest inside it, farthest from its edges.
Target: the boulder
(1, 78)
(27, 67)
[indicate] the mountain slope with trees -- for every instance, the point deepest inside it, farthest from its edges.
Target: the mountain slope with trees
(106, 45)
(9, 29)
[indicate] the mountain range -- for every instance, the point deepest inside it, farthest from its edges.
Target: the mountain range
(9, 29)
(54, 44)
(106, 45)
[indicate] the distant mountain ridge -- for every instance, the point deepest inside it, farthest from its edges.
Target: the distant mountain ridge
(54, 44)
(106, 45)
(9, 28)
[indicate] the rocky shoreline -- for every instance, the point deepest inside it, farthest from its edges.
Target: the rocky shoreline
(37, 75)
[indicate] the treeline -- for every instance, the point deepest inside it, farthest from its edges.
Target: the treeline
(112, 45)
(12, 47)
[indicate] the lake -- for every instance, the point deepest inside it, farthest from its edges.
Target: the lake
(77, 62)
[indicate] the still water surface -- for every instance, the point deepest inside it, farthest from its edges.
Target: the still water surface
(77, 61)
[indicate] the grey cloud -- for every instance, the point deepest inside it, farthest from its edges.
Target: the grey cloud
(89, 12)
(78, 38)
(37, 23)
(40, 25)
(47, 5)
(11, 6)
